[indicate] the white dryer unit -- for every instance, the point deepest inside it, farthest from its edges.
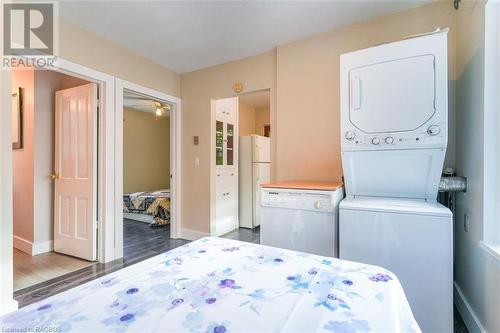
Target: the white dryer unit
(394, 128)
(394, 110)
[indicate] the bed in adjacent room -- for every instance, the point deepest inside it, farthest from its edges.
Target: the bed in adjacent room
(149, 207)
(220, 285)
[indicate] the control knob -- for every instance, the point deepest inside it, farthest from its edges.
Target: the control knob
(350, 135)
(375, 141)
(317, 204)
(433, 130)
(389, 140)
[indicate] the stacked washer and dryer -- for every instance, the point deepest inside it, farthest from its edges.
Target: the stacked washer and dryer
(394, 125)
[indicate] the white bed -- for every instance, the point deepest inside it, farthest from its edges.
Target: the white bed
(219, 285)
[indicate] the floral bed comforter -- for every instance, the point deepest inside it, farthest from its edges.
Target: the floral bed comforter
(219, 285)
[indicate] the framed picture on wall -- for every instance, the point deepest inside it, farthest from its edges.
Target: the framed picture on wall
(267, 131)
(17, 119)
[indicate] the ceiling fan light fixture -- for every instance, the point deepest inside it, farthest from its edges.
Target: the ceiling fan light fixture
(159, 112)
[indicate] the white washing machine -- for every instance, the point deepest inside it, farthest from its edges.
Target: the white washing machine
(394, 125)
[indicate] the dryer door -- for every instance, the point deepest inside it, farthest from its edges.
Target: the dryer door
(392, 96)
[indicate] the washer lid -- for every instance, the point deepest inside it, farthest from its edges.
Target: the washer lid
(395, 205)
(396, 105)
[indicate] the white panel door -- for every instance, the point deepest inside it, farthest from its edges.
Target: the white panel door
(261, 175)
(75, 220)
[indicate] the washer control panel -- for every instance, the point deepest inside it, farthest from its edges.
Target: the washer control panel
(433, 134)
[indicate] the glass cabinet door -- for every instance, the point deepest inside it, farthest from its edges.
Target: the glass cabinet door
(219, 143)
(230, 144)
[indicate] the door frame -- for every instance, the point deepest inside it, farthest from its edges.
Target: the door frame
(105, 161)
(175, 157)
(106, 250)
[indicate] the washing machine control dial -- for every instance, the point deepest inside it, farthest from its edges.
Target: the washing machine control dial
(350, 135)
(433, 130)
(389, 140)
(375, 141)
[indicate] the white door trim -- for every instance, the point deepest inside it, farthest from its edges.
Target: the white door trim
(7, 302)
(105, 167)
(175, 157)
(106, 249)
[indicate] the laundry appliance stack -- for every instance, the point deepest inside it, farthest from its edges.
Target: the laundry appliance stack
(394, 129)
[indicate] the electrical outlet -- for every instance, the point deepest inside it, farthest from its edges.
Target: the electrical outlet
(466, 222)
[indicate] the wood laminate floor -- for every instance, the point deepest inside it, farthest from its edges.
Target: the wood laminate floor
(31, 270)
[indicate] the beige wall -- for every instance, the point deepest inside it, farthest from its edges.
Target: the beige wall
(262, 118)
(23, 160)
(246, 119)
(198, 88)
(251, 120)
(308, 107)
(304, 113)
(146, 151)
(85, 48)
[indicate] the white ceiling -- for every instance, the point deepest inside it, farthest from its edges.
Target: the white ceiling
(188, 35)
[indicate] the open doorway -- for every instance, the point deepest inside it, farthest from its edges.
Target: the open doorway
(54, 128)
(242, 148)
(148, 187)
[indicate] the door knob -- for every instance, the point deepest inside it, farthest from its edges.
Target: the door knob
(54, 176)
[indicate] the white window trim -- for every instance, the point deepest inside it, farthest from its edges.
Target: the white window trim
(491, 227)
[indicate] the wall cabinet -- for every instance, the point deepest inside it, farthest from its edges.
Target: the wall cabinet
(225, 195)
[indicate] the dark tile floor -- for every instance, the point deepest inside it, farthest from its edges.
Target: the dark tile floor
(245, 235)
(140, 242)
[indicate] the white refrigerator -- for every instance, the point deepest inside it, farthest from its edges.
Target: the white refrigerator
(254, 169)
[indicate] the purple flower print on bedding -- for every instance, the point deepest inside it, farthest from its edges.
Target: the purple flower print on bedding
(211, 300)
(132, 291)
(227, 283)
(380, 277)
(347, 282)
(217, 327)
(177, 301)
(230, 249)
(44, 307)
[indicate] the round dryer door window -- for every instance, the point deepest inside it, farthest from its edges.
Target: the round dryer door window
(392, 96)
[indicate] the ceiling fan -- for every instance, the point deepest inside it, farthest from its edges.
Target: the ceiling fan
(159, 108)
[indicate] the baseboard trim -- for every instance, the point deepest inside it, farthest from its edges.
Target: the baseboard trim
(8, 307)
(43, 247)
(23, 245)
(464, 308)
(192, 234)
(32, 248)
